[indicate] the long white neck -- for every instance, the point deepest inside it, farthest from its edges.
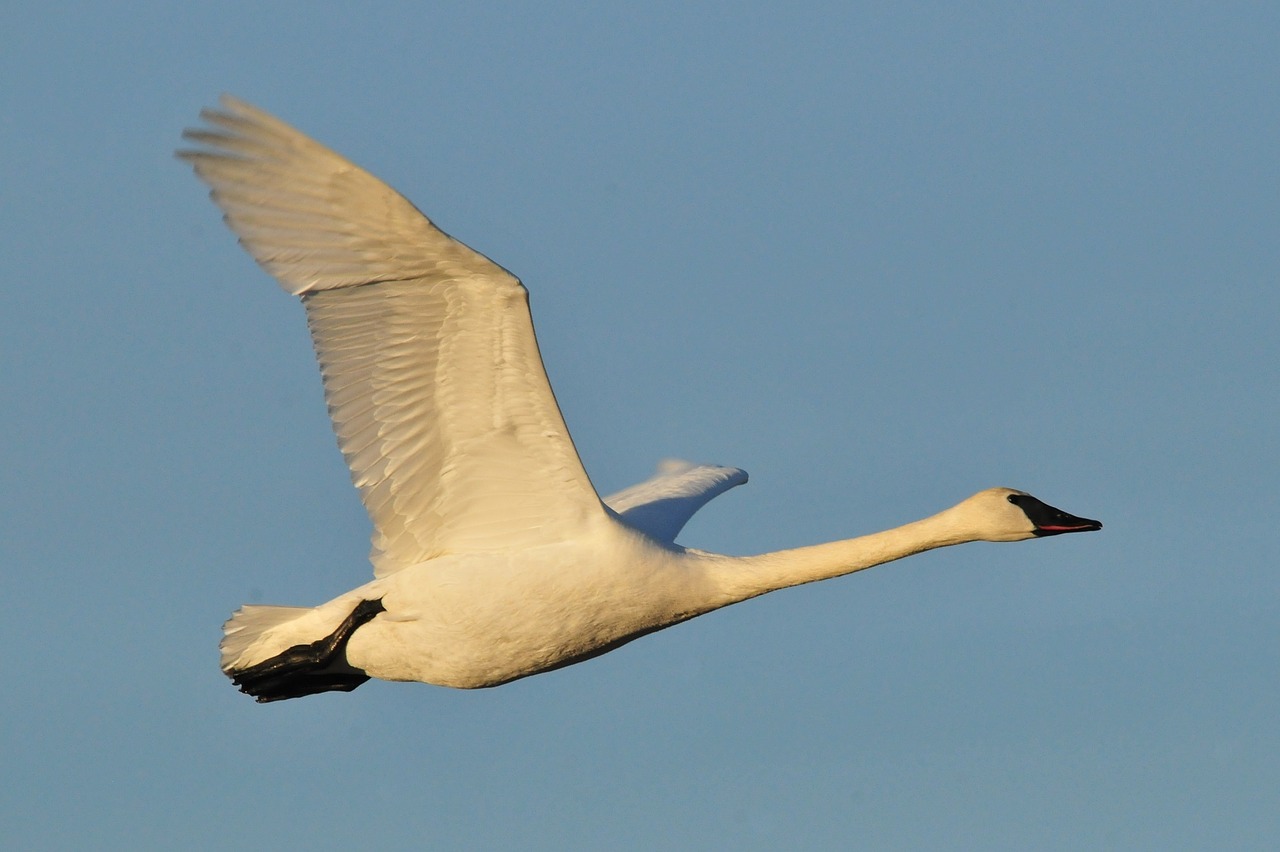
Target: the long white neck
(739, 578)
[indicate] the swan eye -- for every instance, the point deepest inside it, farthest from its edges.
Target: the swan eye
(1015, 499)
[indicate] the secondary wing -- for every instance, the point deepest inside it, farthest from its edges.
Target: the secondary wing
(662, 505)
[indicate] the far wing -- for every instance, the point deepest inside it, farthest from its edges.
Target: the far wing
(431, 371)
(662, 505)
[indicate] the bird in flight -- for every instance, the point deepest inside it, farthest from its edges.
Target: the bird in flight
(493, 556)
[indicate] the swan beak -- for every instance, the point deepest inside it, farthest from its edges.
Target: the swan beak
(1050, 521)
(1070, 523)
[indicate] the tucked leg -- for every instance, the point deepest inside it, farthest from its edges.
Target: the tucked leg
(310, 668)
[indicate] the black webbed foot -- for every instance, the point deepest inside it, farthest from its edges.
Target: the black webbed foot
(310, 668)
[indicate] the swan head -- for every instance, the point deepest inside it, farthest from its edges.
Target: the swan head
(1006, 514)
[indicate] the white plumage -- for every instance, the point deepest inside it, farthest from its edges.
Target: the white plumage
(493, 556)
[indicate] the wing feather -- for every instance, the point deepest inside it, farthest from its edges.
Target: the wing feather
(664, 503)
(437, 393)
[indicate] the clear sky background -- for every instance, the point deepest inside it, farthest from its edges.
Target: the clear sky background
(881, 255)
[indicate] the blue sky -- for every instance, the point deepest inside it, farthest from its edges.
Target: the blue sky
(879, 255)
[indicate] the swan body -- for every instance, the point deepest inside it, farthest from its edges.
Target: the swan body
(493, 556)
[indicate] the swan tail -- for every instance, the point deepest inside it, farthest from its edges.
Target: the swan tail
(284, 664)
(251, 625)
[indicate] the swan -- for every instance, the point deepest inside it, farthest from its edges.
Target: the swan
(493, 556)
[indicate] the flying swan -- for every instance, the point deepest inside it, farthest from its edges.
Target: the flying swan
(493, 557)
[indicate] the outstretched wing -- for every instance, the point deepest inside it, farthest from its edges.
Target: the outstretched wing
(662, 505)
(431, 371)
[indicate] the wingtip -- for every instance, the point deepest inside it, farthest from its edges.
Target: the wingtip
(674, 466)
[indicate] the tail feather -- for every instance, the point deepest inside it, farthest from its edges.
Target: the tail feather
(247, 626)
(279, 652)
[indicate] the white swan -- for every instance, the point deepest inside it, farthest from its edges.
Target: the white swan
(493, 556)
